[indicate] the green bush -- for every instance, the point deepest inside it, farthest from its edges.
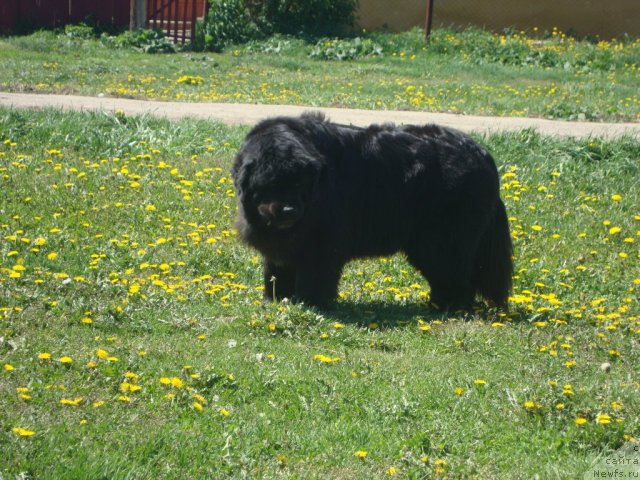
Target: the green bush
(148, 41)
(81, 31)
(275, 45)
(345, 49)
(239, 21)
(411, 41)
(228, 22)
(303, 17)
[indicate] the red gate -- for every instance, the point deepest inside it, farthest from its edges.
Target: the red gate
(177, 18)
(35, 14)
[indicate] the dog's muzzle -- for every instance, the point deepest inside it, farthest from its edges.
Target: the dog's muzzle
(279, 215)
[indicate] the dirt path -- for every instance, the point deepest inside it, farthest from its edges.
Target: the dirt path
(247, 114)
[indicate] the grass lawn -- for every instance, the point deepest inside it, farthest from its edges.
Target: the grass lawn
(471, 72)
(134, 343)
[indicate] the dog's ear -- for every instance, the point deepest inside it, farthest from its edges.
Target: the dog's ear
(314, 117)
(240, 171)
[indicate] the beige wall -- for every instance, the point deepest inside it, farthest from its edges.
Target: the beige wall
(607, 18)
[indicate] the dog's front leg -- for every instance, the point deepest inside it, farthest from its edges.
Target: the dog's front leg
(317, 283)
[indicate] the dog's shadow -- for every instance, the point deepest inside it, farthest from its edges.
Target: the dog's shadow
(384, 315)
(387, 315)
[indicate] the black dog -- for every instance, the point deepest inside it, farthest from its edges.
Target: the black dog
(314, 195)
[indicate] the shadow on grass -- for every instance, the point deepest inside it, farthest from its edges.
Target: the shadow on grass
(388, 315)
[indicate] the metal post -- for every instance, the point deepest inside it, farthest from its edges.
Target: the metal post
(161, 16)
(141, 13)
(194, 17)
(184, 22)
(428, 21)
(132, 14)
(175, 21)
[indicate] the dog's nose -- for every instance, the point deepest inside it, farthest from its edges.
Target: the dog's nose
(276, 210)
(288, 211)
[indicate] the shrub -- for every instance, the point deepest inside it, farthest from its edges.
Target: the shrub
(148, 41)
(228, 22)
(238, 21)
(81, 31)
(303, 17)
(273, 45)
(345, 49)
(411, 41)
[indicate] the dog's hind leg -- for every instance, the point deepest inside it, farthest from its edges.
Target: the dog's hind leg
(448, 277)
(445, 255)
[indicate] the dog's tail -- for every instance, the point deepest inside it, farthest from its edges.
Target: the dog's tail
(493, 270)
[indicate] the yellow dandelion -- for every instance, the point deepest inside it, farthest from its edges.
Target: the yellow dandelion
(326, 359)
(532, 407)
(23, 432)
(362, 454)
(199, 398)
(103, 354)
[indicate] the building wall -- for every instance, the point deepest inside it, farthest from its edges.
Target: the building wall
(607, 18)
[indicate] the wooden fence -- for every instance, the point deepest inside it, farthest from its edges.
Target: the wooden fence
(32, 14)
(176, 17)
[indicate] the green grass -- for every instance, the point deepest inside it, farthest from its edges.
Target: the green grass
(117, 250)
(471, 72)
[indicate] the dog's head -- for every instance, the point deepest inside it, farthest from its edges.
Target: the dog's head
(276, 174)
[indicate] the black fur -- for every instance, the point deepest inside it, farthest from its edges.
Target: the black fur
(314, 195)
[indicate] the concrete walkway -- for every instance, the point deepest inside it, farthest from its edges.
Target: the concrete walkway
(247, 114)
